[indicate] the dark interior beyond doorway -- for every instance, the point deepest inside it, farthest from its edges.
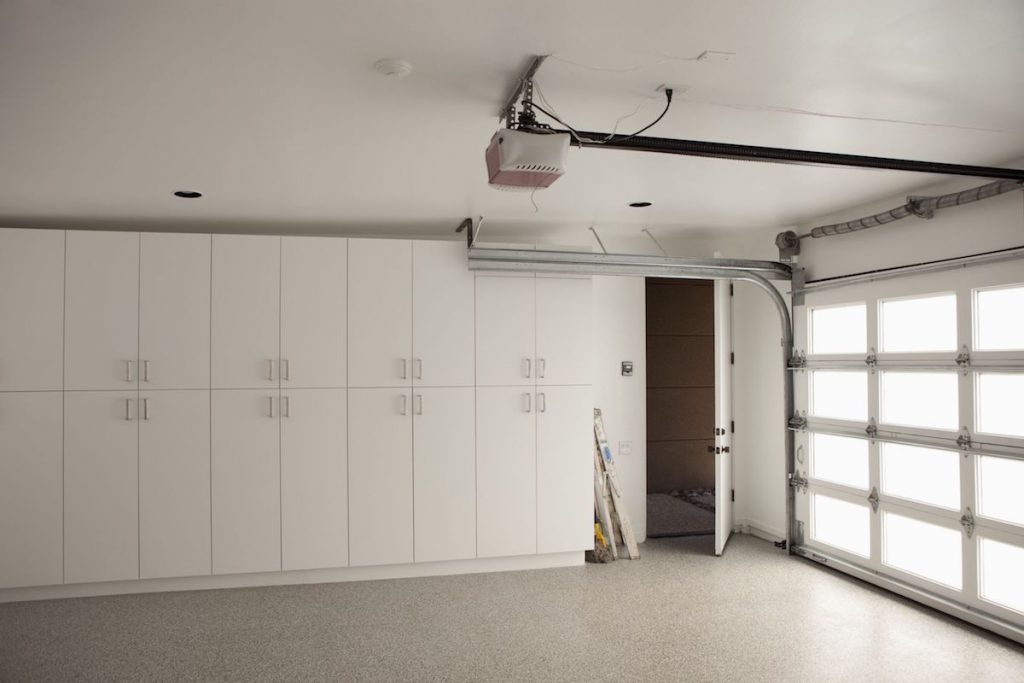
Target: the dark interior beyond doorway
(680, 407)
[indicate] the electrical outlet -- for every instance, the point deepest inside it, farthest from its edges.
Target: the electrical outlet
(625, 447)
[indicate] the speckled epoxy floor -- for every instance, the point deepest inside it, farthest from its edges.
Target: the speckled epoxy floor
(678, 614)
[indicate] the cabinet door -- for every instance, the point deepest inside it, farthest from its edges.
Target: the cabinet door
(174, 311)
(101, 486)
(380, 313)
(314, 281)
(380, 477)
(32, 309)
(564, 331)
(246, 481)
(442, 315)
(246, 311)
(101, 317)
(174, 483)
(444, 454)
(505, 346)
(565, 469)
(31, 471)
(314, 479)
(506, 472)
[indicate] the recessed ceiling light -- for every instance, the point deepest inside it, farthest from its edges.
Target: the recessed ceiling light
(639, 205)
(188, 194)
(393, 68)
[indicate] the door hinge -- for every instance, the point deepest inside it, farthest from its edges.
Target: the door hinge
(798, 360)
(872, 429)
(963, 359)
(797, 481)
(964, 440)
(967, 522)
(798, 422)
(732, 426)
(871, 360)
(733, 495)
(732, 289)
(732, 358)
(873, 499)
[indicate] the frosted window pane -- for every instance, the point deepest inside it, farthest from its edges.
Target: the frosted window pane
(839, 329)
(927, 550)
(925, 475)
(841, 524)
(999, 316)
(1001, 404)
(841, 395)
(1002, 566)
(840, 459)
(922, 324)
(1001, 489)
(920, 399)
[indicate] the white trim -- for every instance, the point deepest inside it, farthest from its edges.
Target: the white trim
(336, 575)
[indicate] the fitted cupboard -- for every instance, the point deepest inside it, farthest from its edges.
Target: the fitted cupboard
(183, 405)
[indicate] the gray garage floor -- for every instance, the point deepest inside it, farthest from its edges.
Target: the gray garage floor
(677, 614)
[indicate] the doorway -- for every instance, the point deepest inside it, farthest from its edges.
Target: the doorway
(685, 415)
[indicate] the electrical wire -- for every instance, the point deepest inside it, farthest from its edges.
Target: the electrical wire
(580, 139)
(540, 94)
(665, 59)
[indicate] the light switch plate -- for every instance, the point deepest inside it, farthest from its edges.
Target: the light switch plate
(627, 368)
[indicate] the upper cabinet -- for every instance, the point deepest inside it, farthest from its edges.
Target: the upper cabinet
(32, 309)
(101, 315)
(505, 324)
(380, 313)
(174, 311)
(442, 315)
(314, 280)
(246, 311)
(564, 330)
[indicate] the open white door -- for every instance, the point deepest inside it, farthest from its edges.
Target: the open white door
(723, 414)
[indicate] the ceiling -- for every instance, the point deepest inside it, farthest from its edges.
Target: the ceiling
(274, 111)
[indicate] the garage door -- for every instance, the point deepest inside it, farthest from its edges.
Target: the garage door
(910, 461)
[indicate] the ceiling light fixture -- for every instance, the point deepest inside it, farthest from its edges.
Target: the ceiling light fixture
(639, 205)
(393, 68)
(188, 194)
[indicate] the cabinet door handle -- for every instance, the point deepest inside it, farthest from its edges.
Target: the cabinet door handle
(541, 367)
(529, 401)
(419, 404)
(145, 371)
(528, 367)
(286, 369)
(270, 371)
(405, 404)
(271, 406)
(145, 409)
(419, 368)
(542, 403)
(405, 369)
(128, 409)
(286, 406)
(129, 371)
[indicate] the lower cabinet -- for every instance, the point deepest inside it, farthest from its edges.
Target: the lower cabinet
(174, 483)
(444, 473)
(314, 479)
(565, 469)
(101, 492)
(380, 476)
(506, 480)
(31, 471)
(246, 480)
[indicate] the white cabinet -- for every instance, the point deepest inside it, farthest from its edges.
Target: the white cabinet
(246, 481)
(246, 311)
(314, 479)
(565, 465)
(174, 483)
(564, 330)
(444, 455)
(314, 281)
(31, 309)
(505, 343)
(380, 476)
(442, 315)
(101, 495)
(31, 471)
(506, 472)
(380, 313)
(174, 311)
(101, 323)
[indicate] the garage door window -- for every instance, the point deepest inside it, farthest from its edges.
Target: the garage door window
(1001, 490)
(999, 319)
(924, 475)
(840, 460)
(1001, 567)
(841, 524)
(841, 395)
(920, 324)
(920, 399)
(1001, 403)
(931, 551)
(838, 329)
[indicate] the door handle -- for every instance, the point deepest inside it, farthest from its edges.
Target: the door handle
(405, 404)
(271, 406)
(145, 409)
(286, 369)
(270, 371)
(419, 404)
(286, 406)
(419, 368)
(542, 365)
(542, 402)
(405, 369)
(145, 371)
(528, 367)
(129, 371)
(529, 401)
(128, 409)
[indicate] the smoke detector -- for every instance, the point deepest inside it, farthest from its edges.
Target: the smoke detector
(393, 68)
(522, 160)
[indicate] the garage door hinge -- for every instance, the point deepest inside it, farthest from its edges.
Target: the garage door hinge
(872, 429)
(798, 360)
(963, 359)
(798, 422)
(797, 481)
(964, 440)
(967, 522)
(873, 499)
(871, 360)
